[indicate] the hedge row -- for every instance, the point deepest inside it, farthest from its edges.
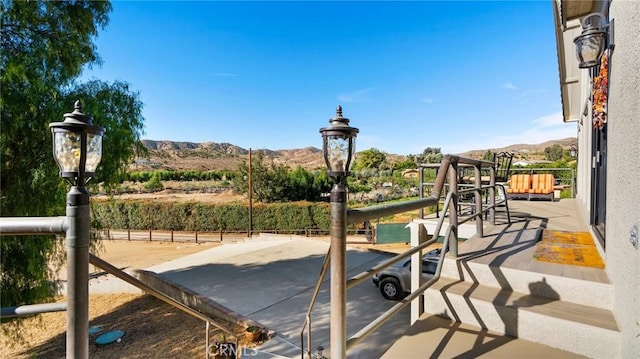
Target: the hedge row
(192, 216)
(144, 176)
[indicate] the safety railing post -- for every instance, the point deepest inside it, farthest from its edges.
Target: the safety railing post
(478, 199)
(338, 332)
(78, 219)
(453, 210)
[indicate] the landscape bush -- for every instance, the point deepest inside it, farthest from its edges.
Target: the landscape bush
(192, 175)
(205, 217)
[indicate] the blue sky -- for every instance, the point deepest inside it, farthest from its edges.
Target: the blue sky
(458, 75)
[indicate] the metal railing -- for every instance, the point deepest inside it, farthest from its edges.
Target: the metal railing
(58, 225)
(448, 168)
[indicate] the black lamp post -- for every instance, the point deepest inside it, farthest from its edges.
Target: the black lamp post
(77, 148)
(573, 151)
(338, 147)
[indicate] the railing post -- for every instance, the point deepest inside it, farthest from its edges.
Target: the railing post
(492, 195)
(573, 183)
(338, 256)
(206, 340)
(418, 236)
(78, 218)
(453, 210)
(478, 197)
(421, 190)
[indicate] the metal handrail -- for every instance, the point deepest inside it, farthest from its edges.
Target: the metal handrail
(316, 290)
(111, 269)
(448, 167)
(380, 320)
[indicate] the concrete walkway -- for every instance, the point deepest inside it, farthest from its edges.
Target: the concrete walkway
(271, 281)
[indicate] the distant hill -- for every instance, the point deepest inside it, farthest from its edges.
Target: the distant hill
(524, 151)
(170, 155)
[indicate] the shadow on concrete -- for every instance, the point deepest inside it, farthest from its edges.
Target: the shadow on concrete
(274, 285)
(500, 249)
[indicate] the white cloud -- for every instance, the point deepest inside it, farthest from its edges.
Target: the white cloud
(542, 129)
(509, 86)
(357, 96)
(551, 120)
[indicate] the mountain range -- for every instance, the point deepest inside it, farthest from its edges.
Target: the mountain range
(171, 155)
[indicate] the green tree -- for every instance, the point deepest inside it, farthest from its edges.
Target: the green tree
(553, 153)
(408, 163)
(430, 155)
(277, 183)
(154, 183)
(45, 45)
(488, 156)
(369, 159)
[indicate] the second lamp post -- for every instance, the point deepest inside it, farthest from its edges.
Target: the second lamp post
(338, 147)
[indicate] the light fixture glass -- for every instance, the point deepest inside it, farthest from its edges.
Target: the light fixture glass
(590, 45)
(77, 146)
(338, 145)
(94, 152)
(67, 148)
(340, 150)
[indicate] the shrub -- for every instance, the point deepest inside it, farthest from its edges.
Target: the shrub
(192, 216)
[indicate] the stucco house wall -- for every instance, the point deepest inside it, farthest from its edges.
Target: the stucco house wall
(623, 172)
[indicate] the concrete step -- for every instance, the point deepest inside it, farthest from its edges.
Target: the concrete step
(544, 285)
(436, 337)
(577, 328)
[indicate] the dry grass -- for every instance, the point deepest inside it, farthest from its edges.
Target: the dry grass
(173, 195)
(152, 328)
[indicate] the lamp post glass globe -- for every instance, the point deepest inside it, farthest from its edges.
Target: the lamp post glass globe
(339, 152)
(338, 145)
(68, 150)
(77, 146)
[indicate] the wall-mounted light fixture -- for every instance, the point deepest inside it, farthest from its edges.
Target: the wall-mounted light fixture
(590, 45)
(573, 151)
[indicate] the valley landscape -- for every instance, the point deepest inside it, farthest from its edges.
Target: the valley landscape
(210, 156)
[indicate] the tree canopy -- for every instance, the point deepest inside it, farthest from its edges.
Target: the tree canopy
(372, 158)
(45, 46)
(277, 183)
(430, 155)
(553, 153)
